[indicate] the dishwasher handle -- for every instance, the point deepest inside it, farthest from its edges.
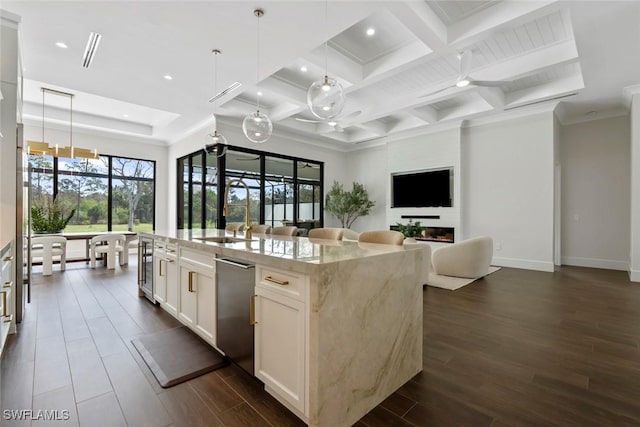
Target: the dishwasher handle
(235, 263)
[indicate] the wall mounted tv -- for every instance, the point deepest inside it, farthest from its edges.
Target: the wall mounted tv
(433, 188)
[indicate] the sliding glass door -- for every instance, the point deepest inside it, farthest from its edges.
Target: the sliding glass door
(283, 190)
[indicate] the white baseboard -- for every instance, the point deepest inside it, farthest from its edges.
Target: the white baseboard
(634, 275)
(526, 264)
(609, 264)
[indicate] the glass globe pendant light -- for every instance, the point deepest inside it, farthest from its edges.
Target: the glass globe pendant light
(257, 126)
(325, 97)
(217, 143)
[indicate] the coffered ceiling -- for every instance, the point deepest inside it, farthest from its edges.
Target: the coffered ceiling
(400, 79)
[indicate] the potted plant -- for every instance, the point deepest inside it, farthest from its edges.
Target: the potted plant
(48, 215)
(347, 206)
(410, 230)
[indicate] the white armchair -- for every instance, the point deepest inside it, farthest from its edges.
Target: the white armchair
(46, 247)
(108, 244)
(470, 258)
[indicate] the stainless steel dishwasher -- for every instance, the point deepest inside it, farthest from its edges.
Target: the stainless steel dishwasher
(234, 331)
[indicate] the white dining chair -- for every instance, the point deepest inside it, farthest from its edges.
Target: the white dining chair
(46, 247)
(108, 244)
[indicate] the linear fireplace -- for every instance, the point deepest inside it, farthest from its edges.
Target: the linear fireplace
(434, 234)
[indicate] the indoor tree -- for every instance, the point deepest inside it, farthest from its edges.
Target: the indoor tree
(347, 206)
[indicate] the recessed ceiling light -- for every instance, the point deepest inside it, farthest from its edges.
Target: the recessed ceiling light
(167, 77)
(259, 93)
(371, 31)
(303, 69)
(63, 45)
(463, 83)
(125, 115)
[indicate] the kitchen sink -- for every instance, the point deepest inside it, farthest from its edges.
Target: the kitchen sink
(222, 239)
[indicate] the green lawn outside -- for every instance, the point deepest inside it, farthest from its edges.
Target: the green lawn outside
(77, 228)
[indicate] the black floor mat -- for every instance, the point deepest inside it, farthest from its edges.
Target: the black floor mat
(177, 355)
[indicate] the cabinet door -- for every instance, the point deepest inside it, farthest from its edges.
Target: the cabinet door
(206, 304)
(280, 345)
(187, 303)
(172, 288)
(159, 277)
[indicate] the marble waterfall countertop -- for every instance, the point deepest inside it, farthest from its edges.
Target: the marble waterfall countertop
(363, 314)
(300, 254)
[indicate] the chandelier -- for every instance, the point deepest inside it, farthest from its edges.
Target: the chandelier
(43, 148)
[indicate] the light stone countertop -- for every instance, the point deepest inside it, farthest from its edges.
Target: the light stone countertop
(297, 253)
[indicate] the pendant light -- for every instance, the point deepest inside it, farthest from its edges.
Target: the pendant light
(257, 126)
(218, 143)
(325, 97)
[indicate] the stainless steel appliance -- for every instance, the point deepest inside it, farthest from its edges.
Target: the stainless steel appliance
(234, 333)
(23, 228)
(145, 268)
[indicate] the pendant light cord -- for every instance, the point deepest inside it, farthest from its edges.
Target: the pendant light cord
(71, 123)
(258, 64)
(43, 91)
(326, 38)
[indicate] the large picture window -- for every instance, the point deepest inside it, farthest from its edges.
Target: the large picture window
(108, 193)
(283, 190)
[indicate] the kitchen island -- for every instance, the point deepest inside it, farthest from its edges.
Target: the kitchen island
(338, 324)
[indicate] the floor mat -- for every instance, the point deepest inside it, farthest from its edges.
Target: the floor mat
(177, 355)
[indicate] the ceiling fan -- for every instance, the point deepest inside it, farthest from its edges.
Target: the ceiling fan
(464, 79)
(309, 165)
(334, 123)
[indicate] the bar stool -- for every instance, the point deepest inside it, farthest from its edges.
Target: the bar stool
(326, 233)
(46, 247)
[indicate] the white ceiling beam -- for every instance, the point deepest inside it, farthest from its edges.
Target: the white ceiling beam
(560, 87)
(476, 106)
(422, 21)
(284, 110)
(347, 71)
(494, 96)
(496, 17)
(425, 113)
(284, 89)
(375, 127)
(530, 63)
(404, 55)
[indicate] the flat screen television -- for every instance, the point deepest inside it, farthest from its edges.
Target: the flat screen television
(422, 189)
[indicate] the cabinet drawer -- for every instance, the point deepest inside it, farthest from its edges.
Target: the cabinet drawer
(203, 258)
(282, 282)
(159, 245)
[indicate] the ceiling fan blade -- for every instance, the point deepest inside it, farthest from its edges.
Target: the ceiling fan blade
(465, 63)
(489, 83)
(245, 159)
(307, 120)
(437, 91)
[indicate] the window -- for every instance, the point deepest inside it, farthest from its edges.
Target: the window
(108, 194)
(283, 190)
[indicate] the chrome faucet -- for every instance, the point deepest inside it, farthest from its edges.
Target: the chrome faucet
(225, 211)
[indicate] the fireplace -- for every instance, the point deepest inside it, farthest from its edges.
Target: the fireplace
(434, 234)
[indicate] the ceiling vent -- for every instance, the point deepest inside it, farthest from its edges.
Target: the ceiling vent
(234, 86)
(90, 50)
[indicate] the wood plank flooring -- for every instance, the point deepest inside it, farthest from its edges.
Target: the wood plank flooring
(515, 348)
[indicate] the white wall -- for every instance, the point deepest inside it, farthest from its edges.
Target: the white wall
(508, 189)
(428, 151)
(116, 147)
(369, 168)
(596, 187)
(334, 162)
(634, 253)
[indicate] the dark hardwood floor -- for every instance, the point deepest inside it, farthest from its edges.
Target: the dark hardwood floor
(515, 348)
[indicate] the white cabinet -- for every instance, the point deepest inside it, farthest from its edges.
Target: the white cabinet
(281, 333)
(6, 296)
(165, 277)
(197, 299)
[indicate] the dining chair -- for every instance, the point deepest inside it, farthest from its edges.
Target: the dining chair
(46, 247)
(385, 237)
(261, 229)
(285, 231)
(108, 244)
(326, 233)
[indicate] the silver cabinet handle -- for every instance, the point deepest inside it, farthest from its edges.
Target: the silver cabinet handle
(235, 264)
